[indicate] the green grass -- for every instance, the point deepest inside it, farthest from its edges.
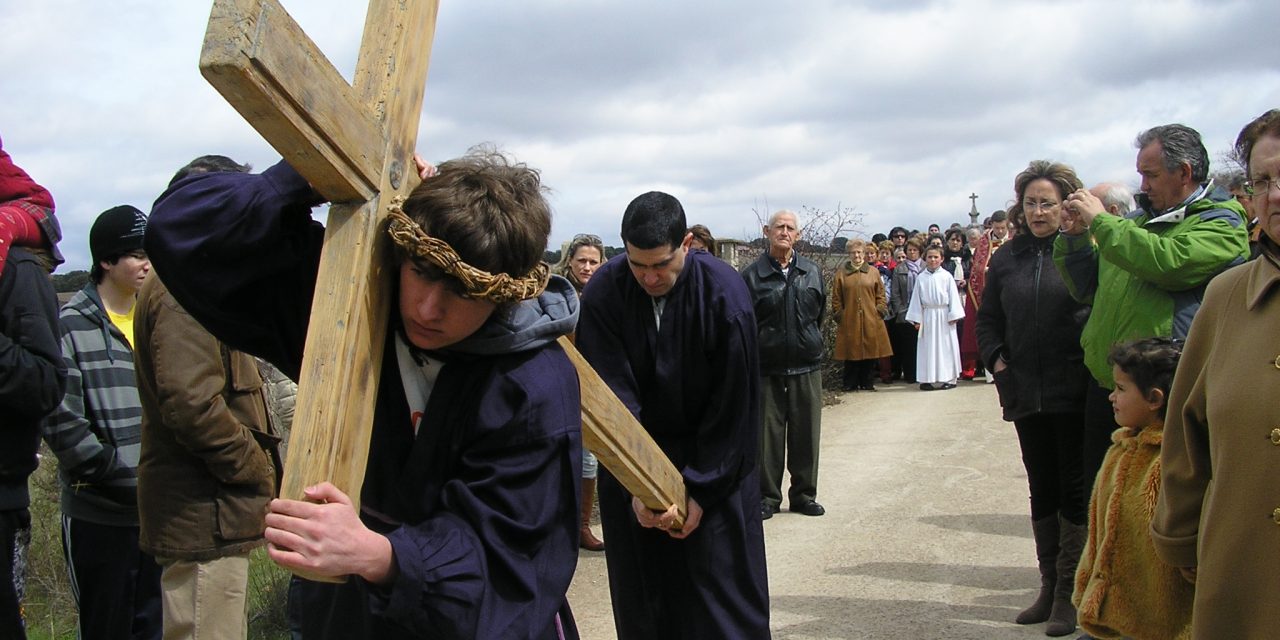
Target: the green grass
(50, 610)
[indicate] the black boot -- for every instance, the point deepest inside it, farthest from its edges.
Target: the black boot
(1046, 534)
(1062, 619)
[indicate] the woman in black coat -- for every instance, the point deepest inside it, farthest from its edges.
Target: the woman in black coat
(1029, 337)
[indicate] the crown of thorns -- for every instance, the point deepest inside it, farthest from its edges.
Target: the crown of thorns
(476, 283)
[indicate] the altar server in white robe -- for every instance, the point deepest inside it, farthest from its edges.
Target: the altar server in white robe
(935, 308)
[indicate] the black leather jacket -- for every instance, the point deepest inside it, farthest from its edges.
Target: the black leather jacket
(789, 313)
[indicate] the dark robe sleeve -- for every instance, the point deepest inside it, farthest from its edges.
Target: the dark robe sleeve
(240, 252)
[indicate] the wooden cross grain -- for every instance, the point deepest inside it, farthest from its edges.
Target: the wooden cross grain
(353, 144)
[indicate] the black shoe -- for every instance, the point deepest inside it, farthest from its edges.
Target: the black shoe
(767, 510)
(810, 508)
(925, 386)
(947, 385)
(867, 387)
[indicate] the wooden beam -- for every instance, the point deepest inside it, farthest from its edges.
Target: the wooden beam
(623, 446)
(267, 68)
(354, 145)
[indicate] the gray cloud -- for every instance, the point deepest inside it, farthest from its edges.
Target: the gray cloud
(901, 109)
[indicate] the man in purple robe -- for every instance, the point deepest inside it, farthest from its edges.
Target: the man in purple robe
(468, 524)
(673, 334)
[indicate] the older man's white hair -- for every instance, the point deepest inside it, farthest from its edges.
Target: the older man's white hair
(785, 212)
(1115, 196)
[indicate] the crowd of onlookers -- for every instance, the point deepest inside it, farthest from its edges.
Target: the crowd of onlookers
(1130, 338)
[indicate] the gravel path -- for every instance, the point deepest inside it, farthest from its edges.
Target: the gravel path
(927, 532)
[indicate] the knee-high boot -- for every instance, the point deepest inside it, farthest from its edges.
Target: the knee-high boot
(1062, 619)
(588, 540)
(1046, 535)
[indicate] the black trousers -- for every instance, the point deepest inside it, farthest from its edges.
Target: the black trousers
(1099, 424)
(1051, 452)
(15, 536)
(116, 586)
(860, 374)
(902, 337)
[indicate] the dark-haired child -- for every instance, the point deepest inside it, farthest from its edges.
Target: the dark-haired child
(1122, 588)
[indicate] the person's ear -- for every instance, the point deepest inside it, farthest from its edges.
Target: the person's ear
(1155, 400)
(688, 240)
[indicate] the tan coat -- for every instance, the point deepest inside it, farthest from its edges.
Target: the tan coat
(1219, 506)
(1122, 588)
(858, 304)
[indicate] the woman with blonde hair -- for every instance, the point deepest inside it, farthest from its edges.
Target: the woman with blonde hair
(578, 262)
(859, 304)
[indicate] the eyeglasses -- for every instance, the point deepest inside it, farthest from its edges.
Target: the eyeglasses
(1260, 187)
(898, 235)
(1042, 206)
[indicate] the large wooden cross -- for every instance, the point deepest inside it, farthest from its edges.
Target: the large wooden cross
(354, 144)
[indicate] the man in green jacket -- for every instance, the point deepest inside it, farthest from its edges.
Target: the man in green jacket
(1145, 273)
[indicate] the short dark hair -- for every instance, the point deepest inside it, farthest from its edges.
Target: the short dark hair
(210, 164)
(1151, 362)
(489, 208)
(1267, 124)
(999, 216)
(653, 220)
(1178, 144)
(898, 230)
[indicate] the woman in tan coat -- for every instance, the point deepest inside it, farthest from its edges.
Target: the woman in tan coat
(859, 304)
(1218, 515)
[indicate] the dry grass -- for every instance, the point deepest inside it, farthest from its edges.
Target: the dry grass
(51, 611)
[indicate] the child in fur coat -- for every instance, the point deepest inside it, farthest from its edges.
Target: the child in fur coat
(1122, 588)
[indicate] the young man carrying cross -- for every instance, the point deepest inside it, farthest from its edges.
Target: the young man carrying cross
(468, 521)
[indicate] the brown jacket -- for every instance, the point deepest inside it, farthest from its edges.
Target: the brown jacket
(858, 304)
(209, 464)
(1122, 588)
(1219, 506)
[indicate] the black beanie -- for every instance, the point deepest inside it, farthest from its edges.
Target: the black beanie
(117, 231)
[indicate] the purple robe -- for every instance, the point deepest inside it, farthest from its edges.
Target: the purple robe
(694, 385)
(480, 506)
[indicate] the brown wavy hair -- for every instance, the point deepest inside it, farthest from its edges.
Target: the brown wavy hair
(1062, 177)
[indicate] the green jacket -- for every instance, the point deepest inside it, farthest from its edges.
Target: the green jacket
(1145, 276)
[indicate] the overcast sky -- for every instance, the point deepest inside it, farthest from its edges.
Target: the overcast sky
(898, 109)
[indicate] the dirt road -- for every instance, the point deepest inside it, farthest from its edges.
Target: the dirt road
(927, 532)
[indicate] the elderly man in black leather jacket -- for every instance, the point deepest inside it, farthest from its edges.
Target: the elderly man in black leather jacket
(789, 299)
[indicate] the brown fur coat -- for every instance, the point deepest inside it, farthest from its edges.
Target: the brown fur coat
(1122, 588)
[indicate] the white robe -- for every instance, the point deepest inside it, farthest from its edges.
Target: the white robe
(935, 304)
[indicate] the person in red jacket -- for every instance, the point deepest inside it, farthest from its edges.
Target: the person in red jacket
(26, 214)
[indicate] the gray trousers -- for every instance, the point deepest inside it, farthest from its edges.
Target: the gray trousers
(791, 413)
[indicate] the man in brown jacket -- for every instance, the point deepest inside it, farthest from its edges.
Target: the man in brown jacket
(208, 464)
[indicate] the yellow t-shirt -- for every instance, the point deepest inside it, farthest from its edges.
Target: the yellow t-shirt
(124, 323)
